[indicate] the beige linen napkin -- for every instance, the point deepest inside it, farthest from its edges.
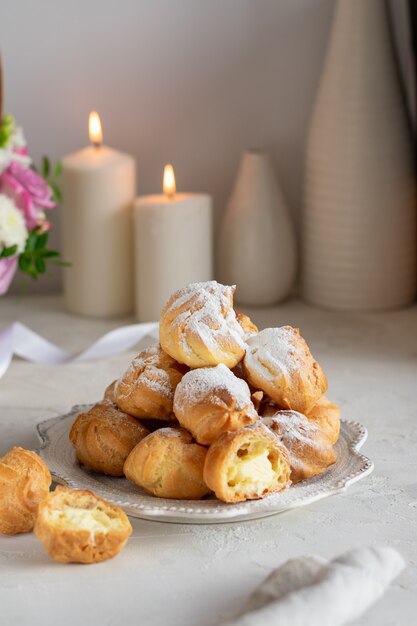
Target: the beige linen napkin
(311, 591)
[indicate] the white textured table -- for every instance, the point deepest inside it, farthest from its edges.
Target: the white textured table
(194, 575)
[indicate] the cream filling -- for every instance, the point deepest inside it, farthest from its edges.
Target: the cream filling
(73, 518)
(255, 472)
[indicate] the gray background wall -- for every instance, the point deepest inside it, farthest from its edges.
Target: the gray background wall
(193, 82)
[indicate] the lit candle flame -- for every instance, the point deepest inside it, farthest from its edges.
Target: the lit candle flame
(94, 129)
(169, 186)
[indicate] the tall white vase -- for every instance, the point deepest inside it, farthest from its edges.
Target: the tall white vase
(359, 222)
(257, 250)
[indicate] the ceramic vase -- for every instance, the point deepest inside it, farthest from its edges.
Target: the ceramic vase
(257, 250)
(359, 222)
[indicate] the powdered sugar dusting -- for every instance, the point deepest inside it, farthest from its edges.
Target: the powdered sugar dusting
(112, 412)
(211, 315)
(295, 431)
(198, 384)
(168, 431)
(273, 351)
(158, 380)
(146, 369)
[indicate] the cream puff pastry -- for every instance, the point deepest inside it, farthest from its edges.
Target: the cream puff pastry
(146, 389)
(211, 400)
(247, 464)
(168, 464)
(199, 327)
(24, 482)
(326, 415)
(76, 526)
(248, 327)
(310, 450)
(109, 392)
(279, 362)
(104, 436)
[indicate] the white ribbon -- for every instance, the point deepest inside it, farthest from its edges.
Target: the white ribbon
(17, 339)
(311, 590)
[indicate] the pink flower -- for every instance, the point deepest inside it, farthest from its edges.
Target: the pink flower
(22, 151)
(44, 226)
(29, 191)
(8, 267)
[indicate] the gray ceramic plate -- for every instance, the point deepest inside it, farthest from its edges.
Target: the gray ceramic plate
(58, 453)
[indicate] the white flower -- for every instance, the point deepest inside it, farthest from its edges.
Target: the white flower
(5, 158)
(23, 159)
(13, 231)
(17, 139)
(10, 152)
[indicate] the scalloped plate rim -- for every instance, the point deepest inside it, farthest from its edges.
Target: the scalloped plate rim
(178, 513)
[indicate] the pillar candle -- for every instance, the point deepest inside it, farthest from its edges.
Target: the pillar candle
(98, 185)
(172, 245)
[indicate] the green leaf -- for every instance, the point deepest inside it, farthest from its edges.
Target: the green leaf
(46, 167)
(57, 171)
(40, 265)
(31, 270)
(31, 241)
(24, 263)
(49, 254)
(33, 260)
(10, 251)
(56, 194)
(6, 130)
(41, 241)
(8, 122)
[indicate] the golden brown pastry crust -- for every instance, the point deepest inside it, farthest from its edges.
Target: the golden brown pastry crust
(168, 464)
(24, 482)
(257, 398)
(109, 392)
(249, 328)
(279, 362)
(211, 400)
(60, 527)
(311, 451)
(104, 436)
(198, 326)
(146, 389)
(267, 468)
(326, 415)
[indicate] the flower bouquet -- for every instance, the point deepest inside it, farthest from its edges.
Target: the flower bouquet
(25, 198)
